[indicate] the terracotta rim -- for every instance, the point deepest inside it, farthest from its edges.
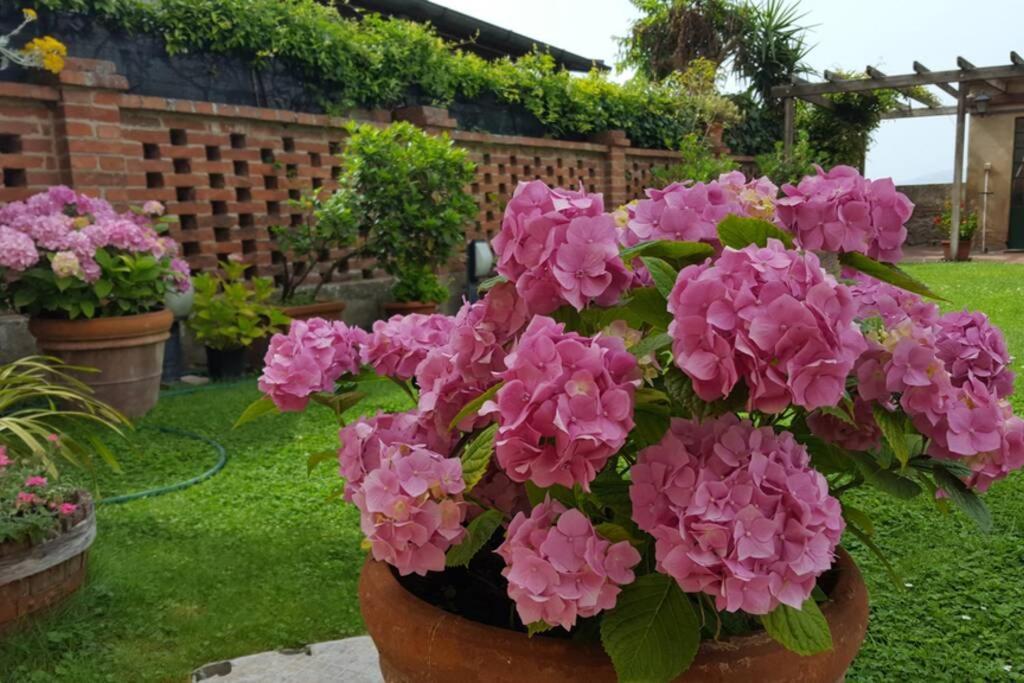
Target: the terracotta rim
(406, 307)
(129, 330)
(314, 309)
(383, 600)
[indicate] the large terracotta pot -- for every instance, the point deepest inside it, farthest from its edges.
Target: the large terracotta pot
(36, 576)
(328, 310)
(127, 350)
(421, 643)
(963, 250)
(407, 307)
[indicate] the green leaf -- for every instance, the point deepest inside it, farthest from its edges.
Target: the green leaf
(838, 413)
(612, 491)
(885, 480)
(616, 533)
(894, 429)
(649, 425)
(803, 631)
(24, 296)
(649, 305)
(257, 408)
(964, 498)
(103, 288)
(478, 532)
(490, 283)
(863, 537)
(886, 272)
(536, 494)
(859, 518)
(652, 634)
(473, 406)
(679, 252)
(738, 232)
(651, 344)
(339, 403)
(663, 274)
(477, 456)
(315, 459)
(537, 627)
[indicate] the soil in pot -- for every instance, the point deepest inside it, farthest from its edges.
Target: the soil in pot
(406, 307)
(421, 642)
(127, 351)
(223, 364)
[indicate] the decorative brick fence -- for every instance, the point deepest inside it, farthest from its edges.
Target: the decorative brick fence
(228, 171)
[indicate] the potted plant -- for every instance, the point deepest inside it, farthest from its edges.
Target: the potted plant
(229, 313)
(609, 475)
(323, 233)
(968, 226)
(46, 527)
(405, 193)
(92, 282)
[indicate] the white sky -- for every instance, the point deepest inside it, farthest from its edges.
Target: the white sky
(888, 34)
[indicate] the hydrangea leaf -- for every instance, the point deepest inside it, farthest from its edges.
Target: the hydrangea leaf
(477, 456)
(886, 272)
(474, 406)
(648, 304)
(964, 498)
(258, 408)
(612, 491)
(859, 518)
(653, 633)
(663, 274)
(670, 250)
(490, 283)
(894, 429)
(537, 627)
(478, 532)
(655, 342)
(885, 480)
(803, 631)
(738, 232)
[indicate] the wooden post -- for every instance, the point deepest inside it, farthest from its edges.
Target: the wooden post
(958, 171)
(787, 127)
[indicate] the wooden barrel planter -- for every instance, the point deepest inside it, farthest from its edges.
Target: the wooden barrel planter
(36, 576)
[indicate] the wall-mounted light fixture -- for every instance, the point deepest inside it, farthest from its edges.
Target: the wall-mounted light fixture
(981, 103)
(479, 266)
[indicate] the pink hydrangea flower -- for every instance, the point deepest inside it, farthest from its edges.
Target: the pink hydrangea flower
(26, 498)
(397, 345)
(36, 482)
(566, 405)
(411, 508)
(971, 347)
(181, 275)
(153, 208)
(17, 250)
(67, 509)
(4, 459)
(496, 490)
(877, 299)
(309, 358)
(65, 264)
(559, 247)
(841, 211)
(559, 569)
(737, 513)
(770, 316)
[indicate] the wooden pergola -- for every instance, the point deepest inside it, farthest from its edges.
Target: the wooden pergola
(978, 90)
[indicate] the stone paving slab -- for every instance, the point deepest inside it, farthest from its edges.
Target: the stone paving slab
(352, 660)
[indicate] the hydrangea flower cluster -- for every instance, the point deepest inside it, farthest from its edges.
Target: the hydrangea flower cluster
(972, 348)
(396, 346)
(559, 247)
(841, 211)
(559, 569)
(411, 510)
(691, 212)
(770, 316)
(566, 405)
(309, 358)
(737, 513)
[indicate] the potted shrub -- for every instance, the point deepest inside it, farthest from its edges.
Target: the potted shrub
(636, 462)
(323, 233)
(968, 226)
(229, 313)
(46, 528)
(405, 193)
(92, 282)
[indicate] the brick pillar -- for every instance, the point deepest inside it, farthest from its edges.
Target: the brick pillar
(617, 192)
(91, 148)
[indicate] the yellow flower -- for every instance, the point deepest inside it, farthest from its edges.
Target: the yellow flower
(30, 14)
(48, 52)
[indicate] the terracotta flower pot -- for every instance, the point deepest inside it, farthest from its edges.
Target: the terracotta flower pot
(328, 310)
(406, 307)
(963, 250)
(36, 576)
(127, 350)
(421, 643)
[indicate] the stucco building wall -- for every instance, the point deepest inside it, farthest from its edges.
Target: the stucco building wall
(990, 140)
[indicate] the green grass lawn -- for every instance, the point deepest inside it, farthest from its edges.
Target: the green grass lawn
(254, 559)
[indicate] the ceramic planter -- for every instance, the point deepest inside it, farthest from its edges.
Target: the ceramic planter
(421, 643)
(35, 576)
(407, 307)
(127, 351)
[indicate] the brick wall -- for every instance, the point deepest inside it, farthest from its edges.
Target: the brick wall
(228, 171)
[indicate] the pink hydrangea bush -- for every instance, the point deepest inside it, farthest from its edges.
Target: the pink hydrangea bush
(591, 433)
(65, 253)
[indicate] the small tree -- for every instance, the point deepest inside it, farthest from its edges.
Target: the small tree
(404, 192)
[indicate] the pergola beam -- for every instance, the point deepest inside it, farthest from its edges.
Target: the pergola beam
(1016, 58)
(875, 73)
(814, 99)
(900, 81)
(919, 112)
(968, 67)
(920, 68)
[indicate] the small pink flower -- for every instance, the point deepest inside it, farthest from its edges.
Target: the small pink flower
(53, 438)
(4, 460)
(26, 498)
(67, 509)
(153, 208)
(36, 482)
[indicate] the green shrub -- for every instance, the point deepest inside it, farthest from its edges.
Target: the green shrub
(230, 313)
(800, 163)
(699, 163)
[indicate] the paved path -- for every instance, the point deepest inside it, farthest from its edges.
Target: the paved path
(352, 660)
(919, 253)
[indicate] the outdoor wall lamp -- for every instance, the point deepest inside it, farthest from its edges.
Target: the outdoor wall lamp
(479, 264)
(981, 103)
